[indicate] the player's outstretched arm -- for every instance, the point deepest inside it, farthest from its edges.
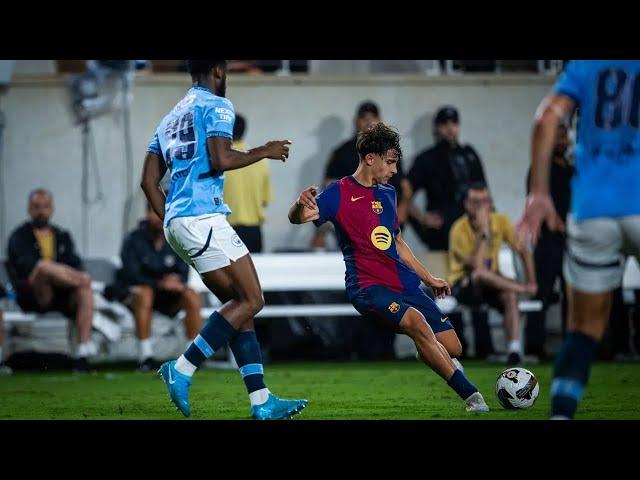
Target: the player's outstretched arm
(440, 287)
(305, 209)
(539, 206)
(224, 158)
(152, 172)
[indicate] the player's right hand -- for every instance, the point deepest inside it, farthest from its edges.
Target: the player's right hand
(278, 149)
(539, 208)
(308, 198)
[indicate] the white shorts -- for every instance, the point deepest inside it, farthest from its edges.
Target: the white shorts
(207, 242)
(595, 258)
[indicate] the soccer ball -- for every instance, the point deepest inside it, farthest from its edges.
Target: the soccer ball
(517, 388)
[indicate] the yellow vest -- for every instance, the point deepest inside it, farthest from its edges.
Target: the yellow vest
(247, 191)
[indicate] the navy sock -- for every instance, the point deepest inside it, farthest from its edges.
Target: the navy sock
(461, 385)
(246, 349)
(216, 333)
(571, 373)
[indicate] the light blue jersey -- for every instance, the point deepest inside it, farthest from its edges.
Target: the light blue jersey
(607, 180)
(181, 140)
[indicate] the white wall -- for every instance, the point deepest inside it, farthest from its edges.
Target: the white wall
(43, 148)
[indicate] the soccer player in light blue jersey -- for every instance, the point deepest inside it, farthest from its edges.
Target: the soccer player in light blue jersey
(605, 205)
(194, 143)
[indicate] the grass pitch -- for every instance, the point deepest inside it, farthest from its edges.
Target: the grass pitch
(337, 391)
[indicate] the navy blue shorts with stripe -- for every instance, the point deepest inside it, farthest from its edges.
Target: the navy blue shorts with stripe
(384, 303)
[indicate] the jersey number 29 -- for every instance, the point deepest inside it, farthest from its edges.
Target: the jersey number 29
(181, 127)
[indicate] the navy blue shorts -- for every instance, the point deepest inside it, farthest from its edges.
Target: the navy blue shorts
(384, 303)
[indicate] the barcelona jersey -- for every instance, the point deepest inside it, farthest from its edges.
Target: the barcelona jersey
(366, 223)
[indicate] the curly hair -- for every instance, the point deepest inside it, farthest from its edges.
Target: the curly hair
(203, 67)
(378, 139)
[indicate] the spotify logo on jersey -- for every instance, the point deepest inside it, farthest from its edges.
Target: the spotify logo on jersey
(381, 238)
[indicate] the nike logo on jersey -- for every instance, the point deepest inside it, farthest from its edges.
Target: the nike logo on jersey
(353, 199)
(444, 319)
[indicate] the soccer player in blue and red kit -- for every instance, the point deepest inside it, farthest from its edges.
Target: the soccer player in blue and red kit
(382, 274)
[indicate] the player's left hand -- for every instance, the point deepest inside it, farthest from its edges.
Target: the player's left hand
(440, 287)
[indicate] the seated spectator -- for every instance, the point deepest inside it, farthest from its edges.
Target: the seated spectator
(157, 279)
(475, 241)
(47, 275)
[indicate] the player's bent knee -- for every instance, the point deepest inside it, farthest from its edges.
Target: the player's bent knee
(256, 304)
(414, 324)
(454, 348)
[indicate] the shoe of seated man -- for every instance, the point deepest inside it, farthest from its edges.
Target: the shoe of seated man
(5, 370)
(277, 408)
(81, 365)
(514, 358)
(148, 365)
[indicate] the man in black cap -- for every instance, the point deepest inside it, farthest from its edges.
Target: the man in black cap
(344, 161)
(445, 171)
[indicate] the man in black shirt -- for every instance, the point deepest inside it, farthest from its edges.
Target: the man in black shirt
(445, 172)
(549, 251)
(157, 279)
(344, 161)
(47, 272)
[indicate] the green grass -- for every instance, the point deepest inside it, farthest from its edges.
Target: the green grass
(354, 390)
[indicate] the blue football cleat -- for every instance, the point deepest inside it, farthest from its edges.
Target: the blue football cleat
(277, 408)
(178, 385)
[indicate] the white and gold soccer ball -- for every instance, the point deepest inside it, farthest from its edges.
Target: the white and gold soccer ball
(517, 388)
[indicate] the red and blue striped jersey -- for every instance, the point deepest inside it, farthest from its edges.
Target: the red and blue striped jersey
(366, 223)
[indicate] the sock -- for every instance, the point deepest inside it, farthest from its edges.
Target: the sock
(259, 396)
(514, 346)
(246, 350)
(0, 354)
(571, 373)
(84, 350)
(185, 367)
(461, 385)
(145, 349)
(216, 333)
